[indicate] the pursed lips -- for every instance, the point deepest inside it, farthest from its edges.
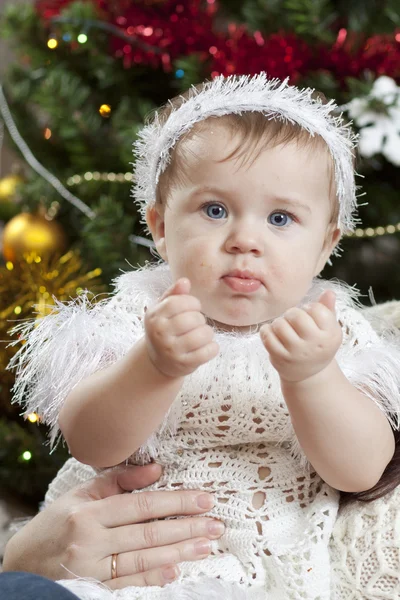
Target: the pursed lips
(242, 281)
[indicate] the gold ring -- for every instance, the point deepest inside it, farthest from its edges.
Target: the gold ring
(114, 566)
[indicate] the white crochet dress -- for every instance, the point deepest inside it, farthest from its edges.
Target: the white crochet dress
(228, 432)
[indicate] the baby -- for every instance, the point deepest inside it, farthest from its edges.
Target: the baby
(230, 362)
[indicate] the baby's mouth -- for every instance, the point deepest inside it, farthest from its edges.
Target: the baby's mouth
(244, 282)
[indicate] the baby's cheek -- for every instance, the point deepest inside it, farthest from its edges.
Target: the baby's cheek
(204, 272)
(290, 281)
(277, 274)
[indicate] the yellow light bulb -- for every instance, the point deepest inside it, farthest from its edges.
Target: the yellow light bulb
(52, 43)
(33, 418)
(105, 110)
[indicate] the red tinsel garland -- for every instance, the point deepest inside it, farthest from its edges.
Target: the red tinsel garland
(178, 28)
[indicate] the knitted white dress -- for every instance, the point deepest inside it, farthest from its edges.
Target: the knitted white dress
(228, 432)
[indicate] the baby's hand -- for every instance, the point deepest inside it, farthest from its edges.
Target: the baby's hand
(178, 338)
(305, 340)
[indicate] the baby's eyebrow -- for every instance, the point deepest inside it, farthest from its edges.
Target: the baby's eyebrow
(208, 190)
(291, 202)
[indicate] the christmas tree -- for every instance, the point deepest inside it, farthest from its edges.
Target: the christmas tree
(87, 75)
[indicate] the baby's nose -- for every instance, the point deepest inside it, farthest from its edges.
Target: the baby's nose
(245, 238)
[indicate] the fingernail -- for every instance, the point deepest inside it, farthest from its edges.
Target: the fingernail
(216, 528)
(205, 501)
(170, 573)
(203, 548)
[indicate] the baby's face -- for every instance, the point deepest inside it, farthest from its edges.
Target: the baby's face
(249, 237)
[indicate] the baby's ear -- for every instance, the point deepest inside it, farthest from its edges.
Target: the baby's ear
(332, 239)
(156, 224)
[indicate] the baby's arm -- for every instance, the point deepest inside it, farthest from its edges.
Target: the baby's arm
(345, 435)
(110, 414)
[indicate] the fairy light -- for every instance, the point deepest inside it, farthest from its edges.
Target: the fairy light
(372, 232)
(26, 455)
(52, 43)
(82, 38)
(17, 310)
(105, 110)
(47, 133)
(97, 176)
(33, 418)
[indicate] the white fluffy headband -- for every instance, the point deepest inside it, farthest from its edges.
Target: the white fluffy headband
(238, 94)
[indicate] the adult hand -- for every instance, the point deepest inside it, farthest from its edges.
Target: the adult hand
(177, 335)
(304, 341)
(78, 534)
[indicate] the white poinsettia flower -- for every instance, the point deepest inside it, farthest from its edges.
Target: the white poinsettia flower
(378, 117)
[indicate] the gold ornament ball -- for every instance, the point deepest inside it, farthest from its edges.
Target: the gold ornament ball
(32, 233)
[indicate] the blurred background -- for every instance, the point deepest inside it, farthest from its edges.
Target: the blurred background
(77, 79)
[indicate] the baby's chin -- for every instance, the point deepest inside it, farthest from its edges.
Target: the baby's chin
(240, 325)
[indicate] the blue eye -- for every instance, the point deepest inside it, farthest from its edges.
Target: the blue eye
(280, 219)
(215, 211)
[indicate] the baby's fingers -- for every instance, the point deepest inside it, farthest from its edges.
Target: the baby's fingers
(181, 286)
(272, 343)
(204, 354)
(186, 322)
(286, 333)
(328, 299)
(323, 317)
(194, 340)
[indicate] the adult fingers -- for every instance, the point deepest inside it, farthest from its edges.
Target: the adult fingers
(154, 534)
(156, 577)
(135, 478)
(118, 480)
(142, 561)
(143, 506)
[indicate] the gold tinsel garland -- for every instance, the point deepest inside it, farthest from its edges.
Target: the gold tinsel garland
(28, 285)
